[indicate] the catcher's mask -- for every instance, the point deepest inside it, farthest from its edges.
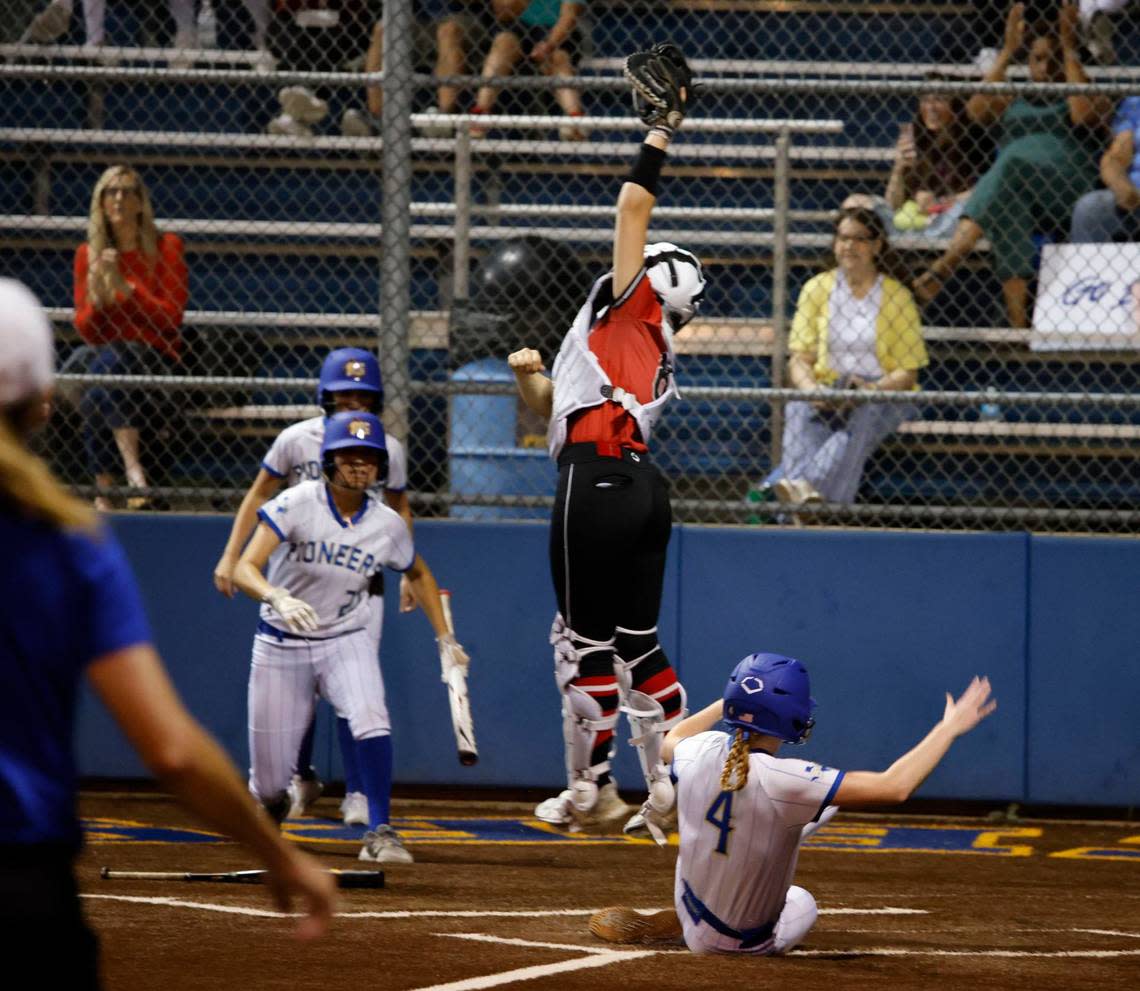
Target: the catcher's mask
(770, 694)
(677, 280)
(350, 369)
(348, 430)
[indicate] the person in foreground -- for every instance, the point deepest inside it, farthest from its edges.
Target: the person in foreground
(744, 811)
(66, 565)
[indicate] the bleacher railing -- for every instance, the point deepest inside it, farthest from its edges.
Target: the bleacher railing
(307, 238)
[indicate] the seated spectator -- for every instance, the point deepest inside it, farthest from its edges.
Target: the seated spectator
(315, 36)
(54, 21)
(1044, 166)
(939, 156)
(855, 328)
(1113, 214)
(455, 29)
(546, 31)
(130, 294)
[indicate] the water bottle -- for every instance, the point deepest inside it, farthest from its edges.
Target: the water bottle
(758, 500)
(989, 412)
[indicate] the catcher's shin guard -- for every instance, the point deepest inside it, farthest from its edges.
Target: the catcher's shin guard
(647, 718)
(583, 716)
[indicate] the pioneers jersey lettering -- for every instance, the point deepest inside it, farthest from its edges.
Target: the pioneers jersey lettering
(336, 555)
(327, 560)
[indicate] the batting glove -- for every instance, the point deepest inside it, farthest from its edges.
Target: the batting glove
(451, 655)
(299, 616)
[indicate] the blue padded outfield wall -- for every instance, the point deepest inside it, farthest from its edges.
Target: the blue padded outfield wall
(886, 622)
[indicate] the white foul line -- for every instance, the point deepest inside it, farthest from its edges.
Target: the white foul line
(449, 914)
(891, 951)
(593, 959)
(1108, 932)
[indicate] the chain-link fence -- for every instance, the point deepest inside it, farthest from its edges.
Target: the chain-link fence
(917, 221)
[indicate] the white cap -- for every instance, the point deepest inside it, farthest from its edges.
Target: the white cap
(27, 358)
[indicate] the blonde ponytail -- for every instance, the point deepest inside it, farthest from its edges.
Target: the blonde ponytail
(27, 484)
(734, 774)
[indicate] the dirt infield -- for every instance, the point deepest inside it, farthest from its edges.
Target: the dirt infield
(496, 900)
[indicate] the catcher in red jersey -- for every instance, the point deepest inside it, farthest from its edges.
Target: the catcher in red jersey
(612, 519)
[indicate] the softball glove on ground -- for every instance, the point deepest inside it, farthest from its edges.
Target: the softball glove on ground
(662, 85)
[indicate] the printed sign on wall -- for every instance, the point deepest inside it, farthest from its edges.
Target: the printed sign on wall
(1088, 298)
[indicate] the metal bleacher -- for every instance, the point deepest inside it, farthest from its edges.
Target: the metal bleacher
(290, 242)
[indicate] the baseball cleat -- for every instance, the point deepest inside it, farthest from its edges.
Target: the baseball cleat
(385, 846)
(625, 925)
(638, 828)
(303, 792)
(354, 809)
(604, 816)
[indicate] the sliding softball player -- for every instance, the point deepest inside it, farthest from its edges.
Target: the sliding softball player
(325, 542)
(744, 811)
(612, 520)
(349, 380)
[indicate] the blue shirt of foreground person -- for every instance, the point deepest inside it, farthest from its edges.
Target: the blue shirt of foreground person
(69, 606)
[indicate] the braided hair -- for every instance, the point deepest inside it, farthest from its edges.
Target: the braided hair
(734, 774)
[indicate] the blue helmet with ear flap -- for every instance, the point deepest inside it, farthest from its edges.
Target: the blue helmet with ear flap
(353, 429)
(349, 369)
(770, 694)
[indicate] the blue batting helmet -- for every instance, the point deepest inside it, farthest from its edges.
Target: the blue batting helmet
(350, 429)
(770, 694)
(349, 369)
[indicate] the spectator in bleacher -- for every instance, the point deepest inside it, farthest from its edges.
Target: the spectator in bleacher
(1044, 166)
(455, 29)
(855, 327)
(54, 21)
(938, 158)
(316, 36)
(130, 294)
(1113, 213)
(547, 32)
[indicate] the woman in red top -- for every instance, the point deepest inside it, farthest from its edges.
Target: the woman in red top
(130, 293)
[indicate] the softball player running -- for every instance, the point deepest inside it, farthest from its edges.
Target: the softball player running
(325, 542)
(349, 380)
(612, 521)
(744, 811)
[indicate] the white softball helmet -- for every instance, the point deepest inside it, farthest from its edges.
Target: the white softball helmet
(678, 281)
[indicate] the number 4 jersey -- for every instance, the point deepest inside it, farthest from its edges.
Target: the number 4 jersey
(739, 848)
(327, 560)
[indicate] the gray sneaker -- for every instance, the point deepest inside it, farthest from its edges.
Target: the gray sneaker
(303, 105)
(384, 846)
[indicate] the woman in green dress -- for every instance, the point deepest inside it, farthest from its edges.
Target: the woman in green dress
(1045, 164)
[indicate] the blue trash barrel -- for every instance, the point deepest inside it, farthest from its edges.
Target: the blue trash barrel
(484, 452)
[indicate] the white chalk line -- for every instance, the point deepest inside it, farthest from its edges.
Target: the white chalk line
(441, 914)
(891, 951)
(1108, 932)
(593, 958)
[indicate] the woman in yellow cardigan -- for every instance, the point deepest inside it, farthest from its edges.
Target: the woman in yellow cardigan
(854, 328)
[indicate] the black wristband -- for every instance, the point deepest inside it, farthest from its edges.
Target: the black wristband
(647, 169)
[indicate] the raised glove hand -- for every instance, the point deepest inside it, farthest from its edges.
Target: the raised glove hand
(299, 616)
(451, 655)
(662, 85)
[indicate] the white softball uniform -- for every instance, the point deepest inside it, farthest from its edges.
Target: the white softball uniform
(327, 561)
(733, 887)
(295, 457)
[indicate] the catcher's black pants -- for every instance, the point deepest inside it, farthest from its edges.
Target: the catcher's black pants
(608, 536)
